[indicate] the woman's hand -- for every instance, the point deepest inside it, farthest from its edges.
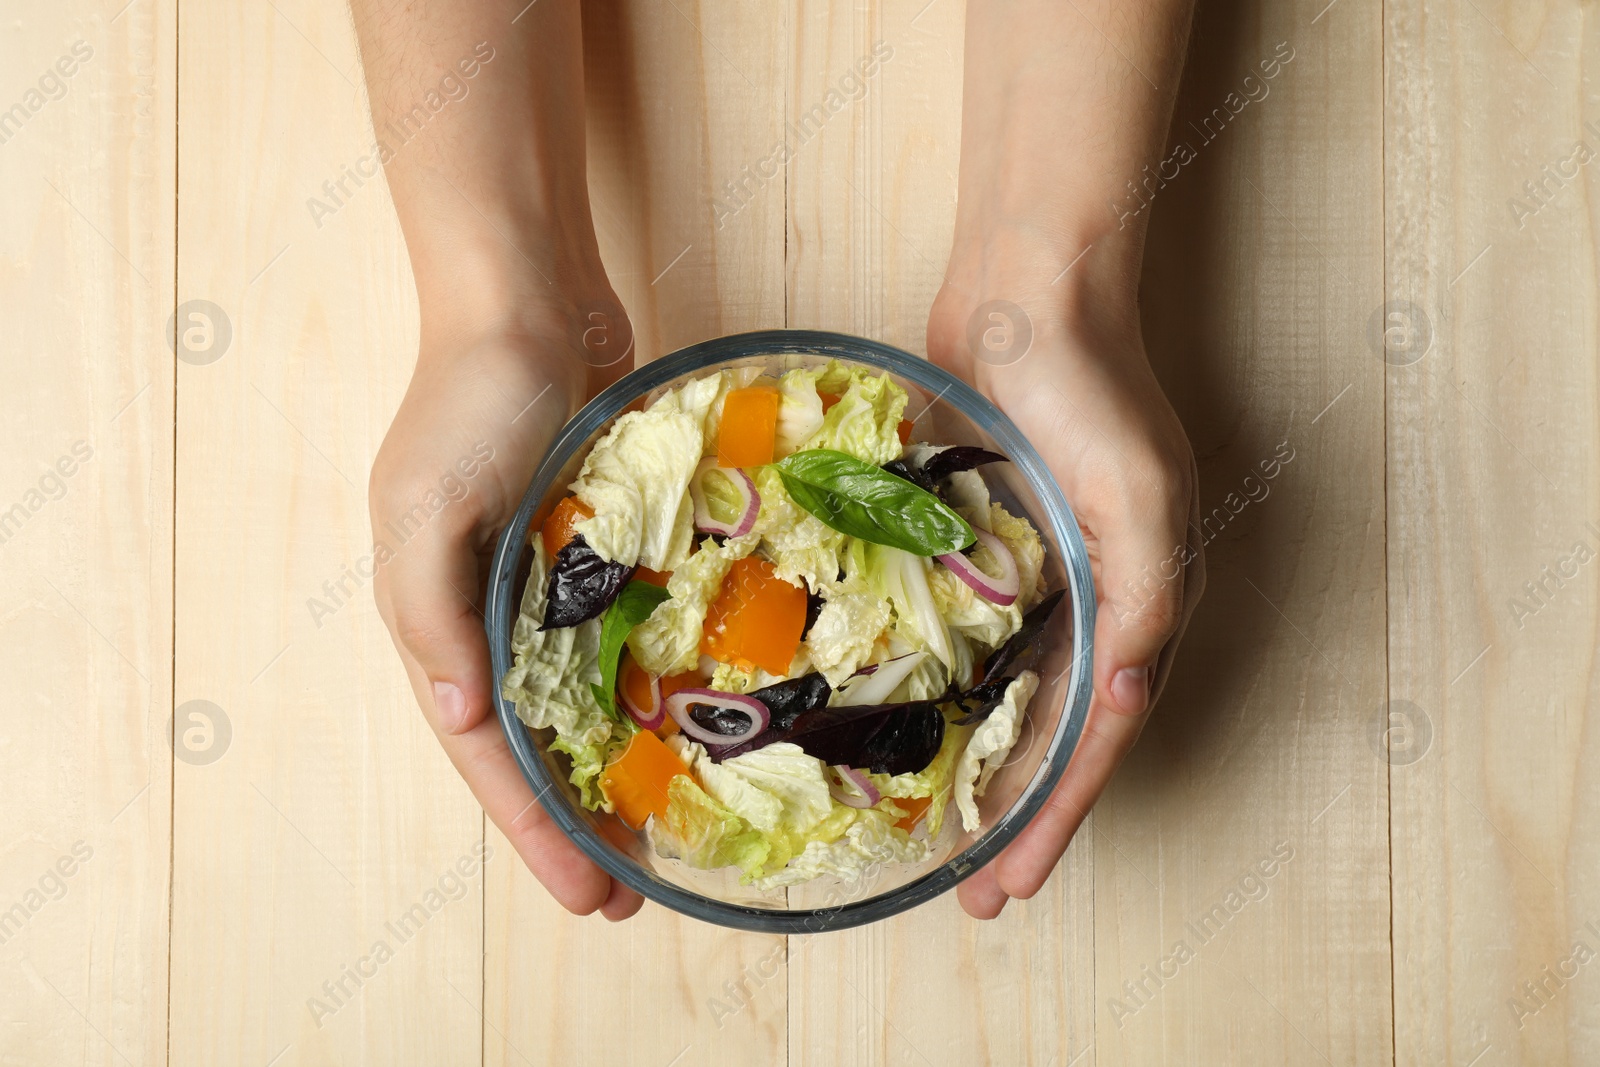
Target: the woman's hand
(482, 407)
(1082, 391)
(519, 327)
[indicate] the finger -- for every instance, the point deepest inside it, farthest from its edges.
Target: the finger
(428, 590)
(1025, 865)
(981, 896)
(1144, 556)
(1144, 551)
(623, 903)
(484, 761)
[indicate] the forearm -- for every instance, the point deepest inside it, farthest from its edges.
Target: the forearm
(1065, 103)
(480, 126)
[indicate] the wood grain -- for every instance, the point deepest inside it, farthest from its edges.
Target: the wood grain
(86, 264)
(1492, 461)
(1241, 855)
(333, 812)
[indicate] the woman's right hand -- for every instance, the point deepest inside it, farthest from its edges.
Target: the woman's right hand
(487, 397)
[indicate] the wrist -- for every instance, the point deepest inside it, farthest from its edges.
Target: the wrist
(1067, 273)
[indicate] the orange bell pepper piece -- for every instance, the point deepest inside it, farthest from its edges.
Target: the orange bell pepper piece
(915, 808)
(557, 530)
(645, 574)
(756, 619)
(749, 428)
(636, 782)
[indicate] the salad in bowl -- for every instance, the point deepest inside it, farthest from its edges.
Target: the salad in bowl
(778, 629)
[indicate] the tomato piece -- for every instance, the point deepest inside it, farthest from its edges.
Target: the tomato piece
(904, 431)
(756, 619)
(557, 530)
(645, 574)
(828, 400)
(636, 782)
(915, 809)
(749, 427)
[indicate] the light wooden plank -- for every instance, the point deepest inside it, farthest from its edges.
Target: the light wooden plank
(1264, 262)
(333, 812)
(1493, 458)
(86, 247)
(681, 96)
(872, 207)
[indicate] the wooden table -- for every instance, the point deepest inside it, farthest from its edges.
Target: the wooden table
(1353, 270)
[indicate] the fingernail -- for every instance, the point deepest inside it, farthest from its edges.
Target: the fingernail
(451, 705)
(1130, 687)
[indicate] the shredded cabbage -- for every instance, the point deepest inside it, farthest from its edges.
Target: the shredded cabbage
(549, 682)
(636, 481)
(991, 743)
(866, 421)
(800, 546)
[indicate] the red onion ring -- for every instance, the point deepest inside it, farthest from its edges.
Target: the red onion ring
(679, 703)
(651, 718)
(1002, 590)
(869, 796)
(747, 491)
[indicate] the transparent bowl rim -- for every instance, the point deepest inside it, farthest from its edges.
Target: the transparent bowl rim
(503, 601)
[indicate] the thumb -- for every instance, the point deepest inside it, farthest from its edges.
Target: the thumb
(427, 594)
(1151, 575)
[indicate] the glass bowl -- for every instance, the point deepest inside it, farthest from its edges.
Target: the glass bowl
(947, 411)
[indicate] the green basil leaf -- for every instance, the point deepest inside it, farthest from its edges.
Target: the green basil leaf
(632, 606)
(868, 502)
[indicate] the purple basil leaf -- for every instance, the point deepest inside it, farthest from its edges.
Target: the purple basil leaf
(941, 465)
(986, 695)
(785, 701)
(582, 585)
(899, 469)
(719, 720)
(1032, 625)
(882, 738)
(814, 602)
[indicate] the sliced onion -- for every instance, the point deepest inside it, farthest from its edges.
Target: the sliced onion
(874, 684)
(651, 718)
(679, 703)
(869, 795)
(1001, 590)
(749, 499)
